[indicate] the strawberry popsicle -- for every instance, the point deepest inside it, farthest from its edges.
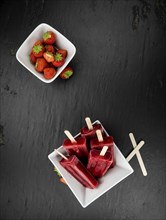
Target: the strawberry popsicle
(74, 166)
(75, 146)
(99, 161)
(100, 142)
(90, 130)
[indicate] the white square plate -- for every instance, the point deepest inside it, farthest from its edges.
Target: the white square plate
(62, 42)
(85, 196)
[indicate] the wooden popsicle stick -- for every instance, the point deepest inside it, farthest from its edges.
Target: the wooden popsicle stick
(99, 135)
(70, 136)
(104, 150)
(89, 123)
(61, 154)
(141, 163)
(136, 149)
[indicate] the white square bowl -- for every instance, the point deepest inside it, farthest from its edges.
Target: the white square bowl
(62, 42)
(86, 196)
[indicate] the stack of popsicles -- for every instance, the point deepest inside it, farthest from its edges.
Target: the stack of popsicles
(88, 164)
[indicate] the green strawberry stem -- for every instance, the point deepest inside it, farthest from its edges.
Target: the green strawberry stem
(46, 35)
(57, 172)
(58, 57)
(37, 48)
(68, 73)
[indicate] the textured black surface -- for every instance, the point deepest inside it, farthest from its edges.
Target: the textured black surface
(120, 72)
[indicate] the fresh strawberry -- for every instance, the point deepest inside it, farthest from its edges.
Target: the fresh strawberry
(48, 56)
(38, 49)
(38, 42)
(49, 72)
(32, 58)
(50, 48)
(41, 63)
(58, 60)
(63, 52)
(49, 37)
(66, 73)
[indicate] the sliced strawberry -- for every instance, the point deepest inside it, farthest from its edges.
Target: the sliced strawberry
(38, 49)
(49, 37)
(50, 48)
(58, 60)
(48, 56)
(66, 73)
(63, 52)
(41, 63)
(32, 58)
(49, 72)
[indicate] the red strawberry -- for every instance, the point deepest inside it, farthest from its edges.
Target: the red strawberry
(48, 56)
(38, 42)
(63, 52)
(49, 37)
(49, 72)
(58, 60)
(38, 49)
(50, 48)
(41, 63)
(32, 58)
(66, 73)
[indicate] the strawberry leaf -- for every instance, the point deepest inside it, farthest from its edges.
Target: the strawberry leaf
(46, 35)
(58, 57)
(57, 172)
(37, 49)
(68, 73)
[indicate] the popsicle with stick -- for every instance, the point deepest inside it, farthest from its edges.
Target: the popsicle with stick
(100, 142)
(75, 146)
(74, 166)
(99, 161)
(90, 130)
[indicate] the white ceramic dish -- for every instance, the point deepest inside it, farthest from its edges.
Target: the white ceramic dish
(62, 42)
(84, 195)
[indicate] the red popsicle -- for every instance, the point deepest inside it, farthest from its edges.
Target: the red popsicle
(74, 166)
(99, 161)
(75, 146)
(90, 130)
(100, 142)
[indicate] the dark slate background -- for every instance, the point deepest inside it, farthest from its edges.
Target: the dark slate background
(120, 72)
